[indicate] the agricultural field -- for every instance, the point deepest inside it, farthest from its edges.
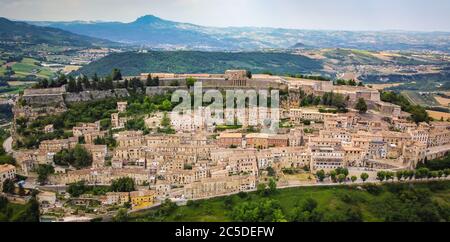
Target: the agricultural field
(385, 86)
(438, 115)
(26, 67)
(442, 100)
(19, 83)
(425, 100)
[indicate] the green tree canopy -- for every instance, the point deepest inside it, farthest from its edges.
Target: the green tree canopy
(124, 184)
(361, 106)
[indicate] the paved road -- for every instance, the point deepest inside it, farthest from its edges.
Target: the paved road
(7, 145)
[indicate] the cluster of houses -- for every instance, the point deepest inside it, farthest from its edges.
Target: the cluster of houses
(200, 162)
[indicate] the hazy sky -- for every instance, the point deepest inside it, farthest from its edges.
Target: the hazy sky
(428, 15)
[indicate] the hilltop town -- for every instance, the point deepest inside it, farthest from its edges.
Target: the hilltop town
(138, 159)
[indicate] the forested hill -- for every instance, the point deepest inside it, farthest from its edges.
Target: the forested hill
(132, 63)
(13, 31)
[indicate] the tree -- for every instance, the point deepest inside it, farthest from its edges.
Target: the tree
(272, 186)
(79, 86)
(364, 176)
(165, 121)
(167, 207)
(82, 157)
(341, 178)
(266, 210)
(389, 175)
(271, 172)
(354, 178)
(419, 114)
(433, 174)
(381, 175)
(78, 157)
(361, 106)
(121, 215)
(343, 171)
(3, 203)
(261, 189)
(116, 75)
(190, 82)
(333, 175)
(248, 74)
(306, 212)
(72, 85)
(166, 105)
(7, 159)
(152, 82)
(399, 175)
(77, 189)
(43, 172)
(29, 214)
(440, 174)
(149, 80)
(8, 186)
(320, 175)
(446, 172)
(86, 82)
(124, 184)
(108, 83)
(422, 173)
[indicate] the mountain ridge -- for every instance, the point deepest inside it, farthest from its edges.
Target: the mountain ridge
(154, 32)
(15, 31)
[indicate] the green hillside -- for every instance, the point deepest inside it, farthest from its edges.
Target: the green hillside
(26, 33)
(132, 63)
(389, 202)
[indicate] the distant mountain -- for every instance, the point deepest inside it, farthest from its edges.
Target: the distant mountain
(299, 46)
(155, 32)
(148, 30)
(26, 33)
(133, 63)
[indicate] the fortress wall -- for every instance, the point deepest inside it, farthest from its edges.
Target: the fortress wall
(87, 96)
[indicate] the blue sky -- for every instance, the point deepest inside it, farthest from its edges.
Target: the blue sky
(423, 15)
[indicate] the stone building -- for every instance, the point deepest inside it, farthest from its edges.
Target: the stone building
(227, 140)
(83, 128)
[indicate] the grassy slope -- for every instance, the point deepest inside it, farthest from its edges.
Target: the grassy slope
(328, 198)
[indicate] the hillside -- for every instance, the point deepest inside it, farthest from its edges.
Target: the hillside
(413, 202)
(132, 63)
(155, 32)
(12, 31)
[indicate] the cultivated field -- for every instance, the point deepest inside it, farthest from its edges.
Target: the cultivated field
(425, 100)
(438, 115)
(384, 86)
(443, 101)
(18, 83)
(27, 66)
